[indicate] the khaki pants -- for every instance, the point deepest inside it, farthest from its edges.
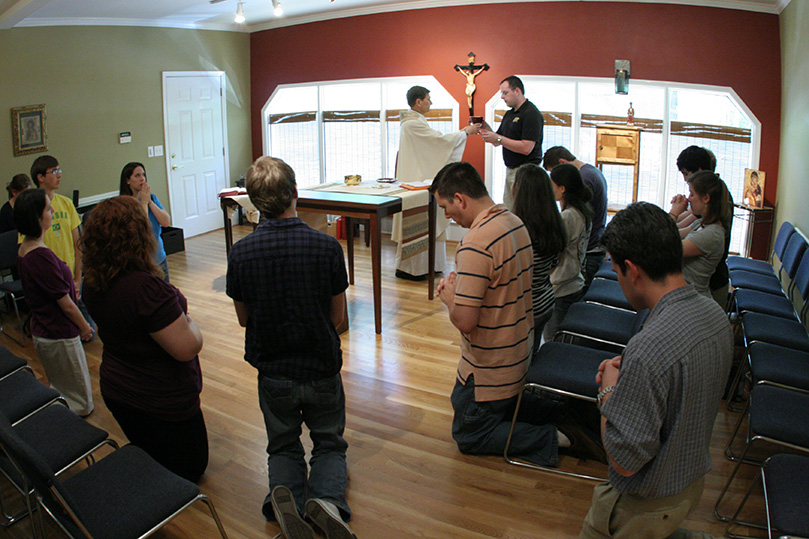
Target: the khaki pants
(617, 515)
(66, 367)
(508, 191)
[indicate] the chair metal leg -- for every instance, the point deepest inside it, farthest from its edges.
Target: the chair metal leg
(528, 387)
(744, 367)
(734, 521)
(729, 453)
(21, 342)
(207, 501)
(716, 512)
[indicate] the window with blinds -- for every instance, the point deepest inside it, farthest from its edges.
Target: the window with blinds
(328, 130)
(671, 118)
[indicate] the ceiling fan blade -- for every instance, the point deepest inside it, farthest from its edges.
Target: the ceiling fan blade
(216, 1)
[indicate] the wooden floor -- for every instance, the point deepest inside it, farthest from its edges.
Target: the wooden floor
(406, 476)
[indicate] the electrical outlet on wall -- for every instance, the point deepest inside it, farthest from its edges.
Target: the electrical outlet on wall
(150, 151)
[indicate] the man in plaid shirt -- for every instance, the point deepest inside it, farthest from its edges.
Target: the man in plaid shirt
(659, 400)
(288, 283)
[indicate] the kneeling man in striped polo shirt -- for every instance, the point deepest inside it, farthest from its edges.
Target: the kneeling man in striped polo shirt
(489, 301)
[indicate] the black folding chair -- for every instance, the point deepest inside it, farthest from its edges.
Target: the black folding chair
(126, 495)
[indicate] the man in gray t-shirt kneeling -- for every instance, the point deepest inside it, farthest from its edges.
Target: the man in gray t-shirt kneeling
(659, 400)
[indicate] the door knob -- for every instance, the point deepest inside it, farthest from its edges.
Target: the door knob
(175, 167)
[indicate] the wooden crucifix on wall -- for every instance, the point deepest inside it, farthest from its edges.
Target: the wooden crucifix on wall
(470, 71)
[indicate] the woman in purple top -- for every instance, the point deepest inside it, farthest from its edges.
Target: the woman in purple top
(150, 374)
(56, 323)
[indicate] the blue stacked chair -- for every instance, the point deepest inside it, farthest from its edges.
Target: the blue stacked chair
(563, 369)
(608, 293)
(599, 326)
(746, 300)
(761, 266)
(778, 421)
(742, 279)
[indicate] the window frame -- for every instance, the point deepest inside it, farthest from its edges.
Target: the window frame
(427, 81)
(670, 172)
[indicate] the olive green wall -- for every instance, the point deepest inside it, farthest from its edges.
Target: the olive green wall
(99, 81)
(793, 176)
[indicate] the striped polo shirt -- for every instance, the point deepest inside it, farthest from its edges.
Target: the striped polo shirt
(494, 265)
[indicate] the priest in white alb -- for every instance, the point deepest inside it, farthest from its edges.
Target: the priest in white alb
(423, 151)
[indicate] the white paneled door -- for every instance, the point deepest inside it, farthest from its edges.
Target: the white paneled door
(196, 157)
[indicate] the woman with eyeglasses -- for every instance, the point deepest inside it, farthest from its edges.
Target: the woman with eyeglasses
(57, 325)
(133, 183)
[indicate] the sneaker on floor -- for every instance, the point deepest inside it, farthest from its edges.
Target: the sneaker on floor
(327, 518)
(584, 442)
(290, 522)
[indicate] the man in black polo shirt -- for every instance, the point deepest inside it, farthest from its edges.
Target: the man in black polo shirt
(288, 283)
(520, 133)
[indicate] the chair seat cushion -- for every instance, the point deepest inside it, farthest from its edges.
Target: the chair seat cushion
(762, 302)
(755, 281)
(786, 477)
(600, 322)
(9, 362)
(606, 271)
(12, 287)
(780, 414)
(76, 436)
(127, 493)
(749, 264)
(567, 367)
(774, 330)
(21, 394)
(607, 292)
(779, 365)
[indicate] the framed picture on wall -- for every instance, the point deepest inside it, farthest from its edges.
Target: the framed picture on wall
(28, 130)
(754, 188)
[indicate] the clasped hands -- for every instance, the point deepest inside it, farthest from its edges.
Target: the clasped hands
(608, 372)
(679, 203)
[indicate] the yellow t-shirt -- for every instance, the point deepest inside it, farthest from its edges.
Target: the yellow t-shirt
(59, 238)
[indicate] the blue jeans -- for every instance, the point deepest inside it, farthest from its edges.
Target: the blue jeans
(592, 263)
(481, 428)
(560, 308)
(165, 267)
(287, 404)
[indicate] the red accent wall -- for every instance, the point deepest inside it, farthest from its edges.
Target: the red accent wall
(700, 45)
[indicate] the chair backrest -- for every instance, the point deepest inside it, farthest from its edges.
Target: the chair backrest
(8, 249)
(793, 253)
(40, 475)
(784, 233)
(640, 319)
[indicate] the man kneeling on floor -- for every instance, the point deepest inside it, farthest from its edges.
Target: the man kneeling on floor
(489, 300)
(660, 399)
(288, 283)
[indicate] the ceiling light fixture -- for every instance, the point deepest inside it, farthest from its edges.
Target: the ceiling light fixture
(276, 8)
(239, 18)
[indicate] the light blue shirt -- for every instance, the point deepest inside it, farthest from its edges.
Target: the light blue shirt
(160, 252)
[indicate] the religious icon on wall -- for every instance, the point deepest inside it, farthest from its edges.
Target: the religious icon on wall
(28, 131)
(470, 71)
(753, 188)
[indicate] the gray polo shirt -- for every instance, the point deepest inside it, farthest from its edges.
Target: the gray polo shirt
(661, 414)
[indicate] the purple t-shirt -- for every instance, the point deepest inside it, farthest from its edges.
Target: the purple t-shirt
(135, 370)
(46, 279)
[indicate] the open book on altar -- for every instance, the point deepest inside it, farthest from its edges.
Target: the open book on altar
(417, 186)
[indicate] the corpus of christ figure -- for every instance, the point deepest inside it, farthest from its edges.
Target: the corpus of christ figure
(470, 71)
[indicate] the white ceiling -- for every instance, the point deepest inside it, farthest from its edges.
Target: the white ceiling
(259, 13)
